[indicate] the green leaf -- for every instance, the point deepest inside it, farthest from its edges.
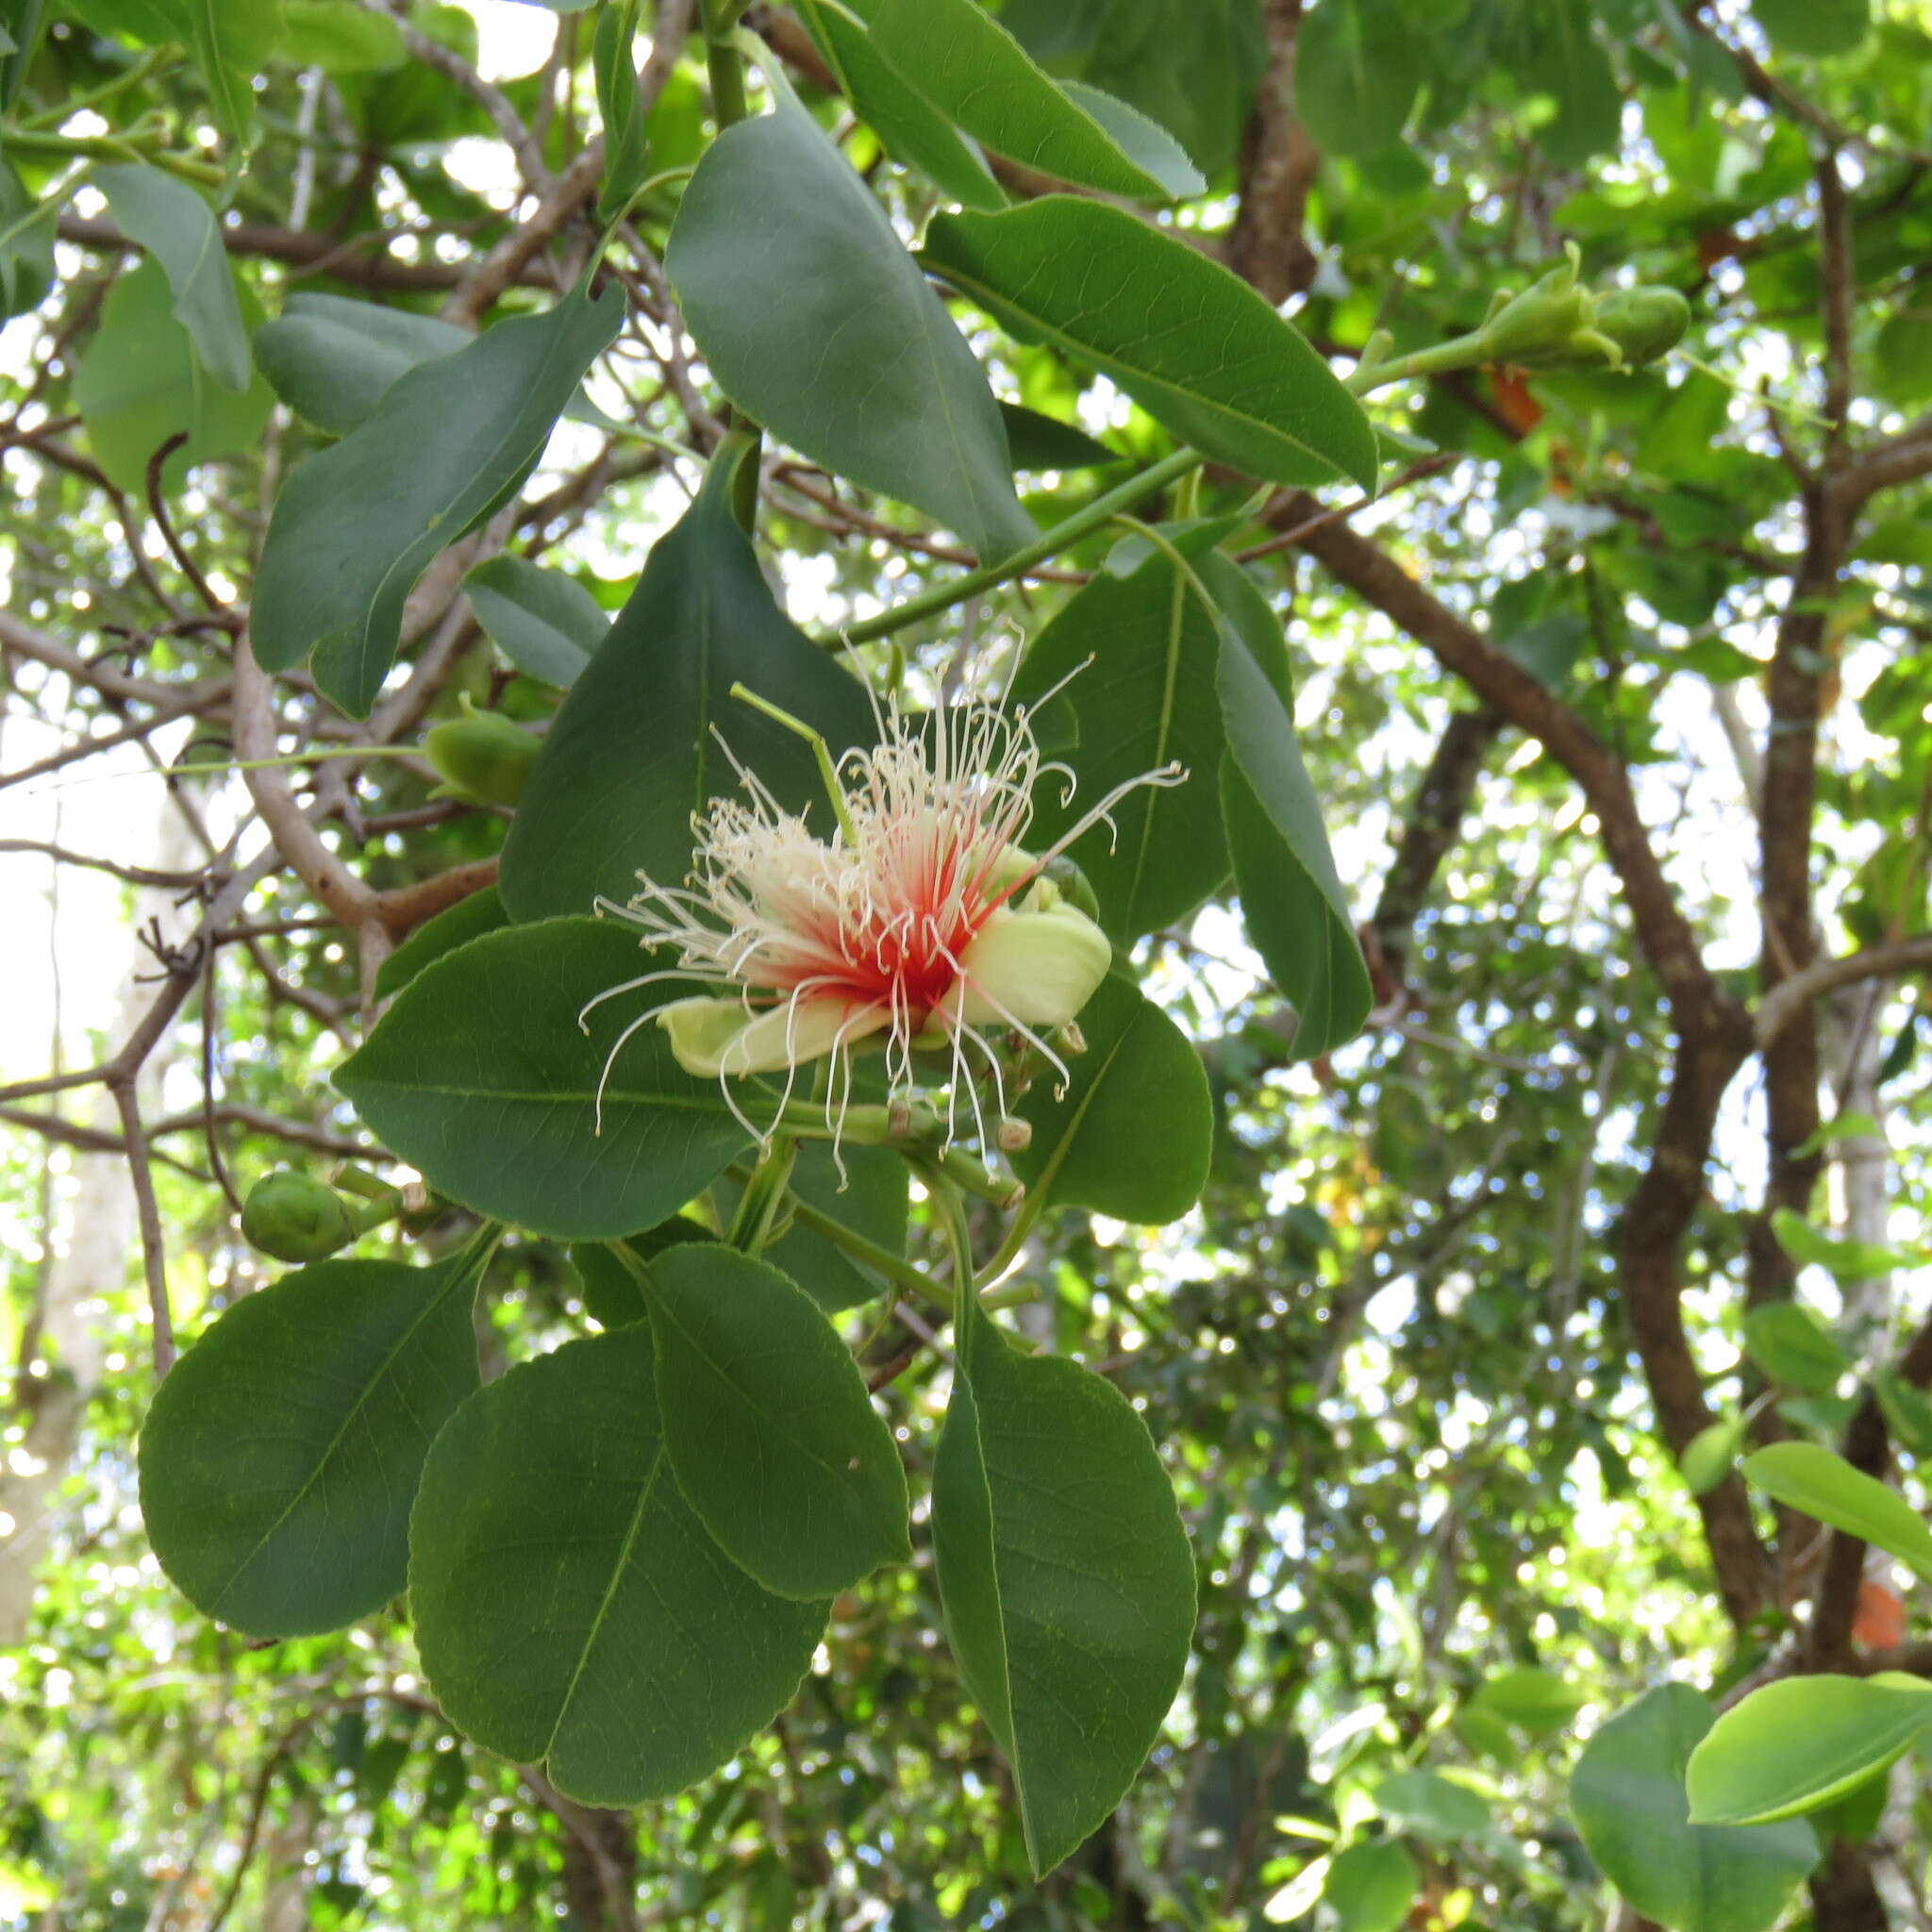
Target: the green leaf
(338, 37)
(1370, 1887)
(1432, 1807)
(1845, 1260)
(971, 67)
(631, 754)
(910, 129)
(571, 1610)
(817, 323)
(1824, 1485)
(1708, 1455)
(139, 383)
(280, 1456)
(1815, 29)
(1147, 703)
(1799, 1742)
(1358, 70)
(27, 256)
(332, 359)
(177, 229)
(1133, 1134)
(1066, 1577)
(1907, 1412)
(1568, 63)
(626, 146)
(612, 1296)
(1533, 1700)
(1297, 914)
(1792, 1347)
(771, 1435)
(1627, 1795)
(468, 919)
(1195, 347)
(481, 1077)
(354, 526)
(546, 623)
(1044, 443)
(870, 1198)
(232, 45)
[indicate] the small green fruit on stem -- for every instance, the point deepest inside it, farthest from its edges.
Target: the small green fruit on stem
(482, 758)
(295, 1219)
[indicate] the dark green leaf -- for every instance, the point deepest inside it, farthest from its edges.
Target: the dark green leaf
(1815, 28)
(548, 624)
(1804, 1476)
(571, 1610)
(1297, 914)
(1066, 1576)
(774, 1439)
(480, 1077)
(339, 36)
(1142, 652)
(1192, 344)
(913, 130)
(1792, 1347)
(354, 526)
(1132, 1136)
(1568, 63)
(1357, 69)
(1800, 1742)
(631, 754)
(970, 66)
(1627, 1797)
(818, 323)
(280, 1456)
(26, 257)
(1043, 442)
(232, 45)
(626, 152)
(178, 230)
(467, 920)
(332, 359)
(869, 1198)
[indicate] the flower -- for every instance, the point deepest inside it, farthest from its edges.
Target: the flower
(920, 921)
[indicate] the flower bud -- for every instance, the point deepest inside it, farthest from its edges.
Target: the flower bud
(295, 1219)
(482, 758)
(1538, 329)
(1645, 322)
(1073, 885)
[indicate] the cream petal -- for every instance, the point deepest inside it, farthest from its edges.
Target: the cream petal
(720, 1036)
(1038, 968)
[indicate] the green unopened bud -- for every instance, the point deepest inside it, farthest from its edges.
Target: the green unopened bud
(1072, 884)
(1536, 329)
(482, 758)
(1645, 322)
(295, 1219)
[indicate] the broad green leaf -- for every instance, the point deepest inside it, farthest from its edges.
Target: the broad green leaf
(1708, 1455)
(771, 1435)
(1245, 609)
(546, 623)
(1370, 1887)
(356, 524)
(232, 45)
(631, 754)
(571, 1610)
(1141, 652)
(626, 148)
(1192, 344)
(969, 65)
(1533, 1700)
(1815, 28)
(468, 919)
(332, 359)
(480, 1077)
(1297, 914)
(1627, 1795)
(1569, 63)
(870, 1198)
(338, 37)
(1043, 442)
(139, 383)
(816, 322)
(1843, 1260)
(177, 229)
(612, 1296)
(1794, 1348)
(27, 256)
(1132, 1135)
(1799, 1742)
(1066, 1577)
(1358, 70)
(1824, 1485)
(911, 129)
(280, 1456)
(1431, 1805)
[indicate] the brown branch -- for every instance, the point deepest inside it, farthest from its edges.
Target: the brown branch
(1279, 163)
(1782, 1004)
(153, 1251)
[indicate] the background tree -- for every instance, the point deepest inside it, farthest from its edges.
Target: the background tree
(1552, 1333)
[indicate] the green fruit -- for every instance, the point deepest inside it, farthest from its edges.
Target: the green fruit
(295, 1219)
(481, 756)
(1645, 322)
